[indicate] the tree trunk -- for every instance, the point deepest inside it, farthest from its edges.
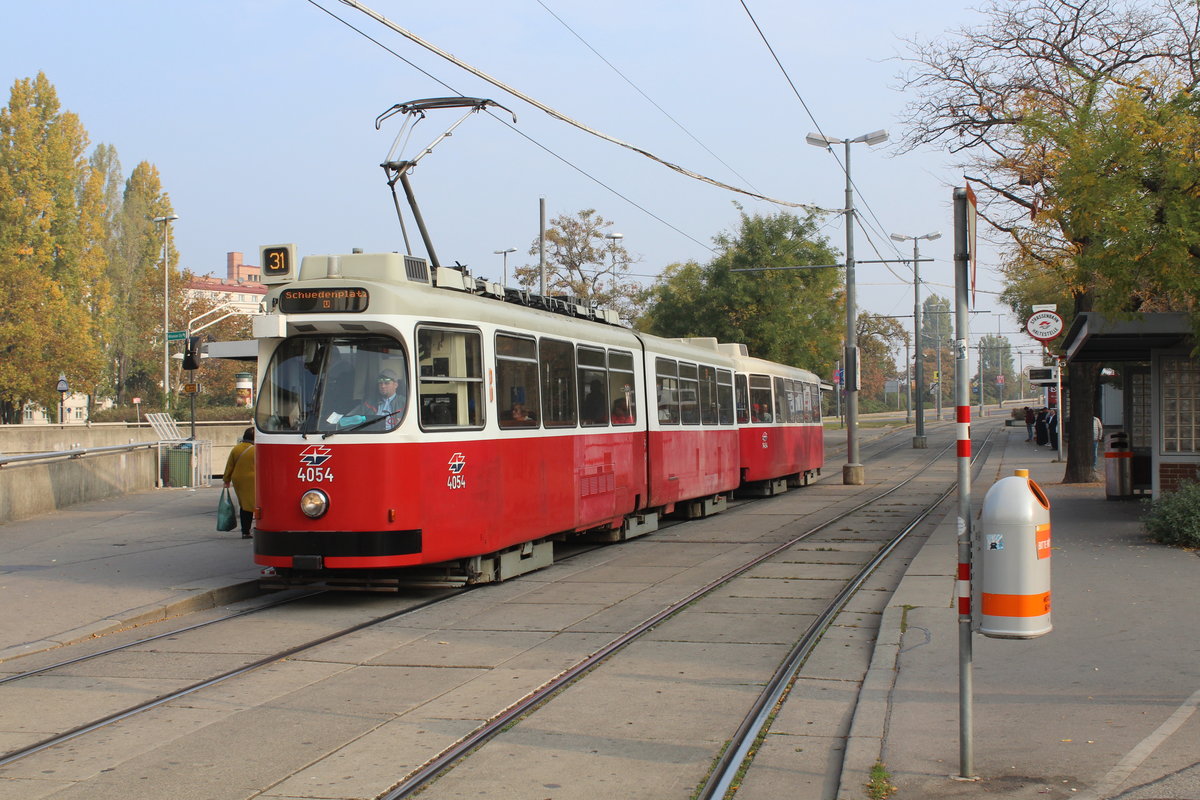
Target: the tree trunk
(1082, 383)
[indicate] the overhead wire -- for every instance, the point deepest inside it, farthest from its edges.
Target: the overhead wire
(563, 117)
(649, 99)
(516, 130)
(762, 35)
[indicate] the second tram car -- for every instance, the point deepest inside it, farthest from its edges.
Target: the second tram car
(411, 417)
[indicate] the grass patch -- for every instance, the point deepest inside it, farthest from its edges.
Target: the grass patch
(879, 787)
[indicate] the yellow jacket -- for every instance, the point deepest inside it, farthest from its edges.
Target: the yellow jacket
(239, 470)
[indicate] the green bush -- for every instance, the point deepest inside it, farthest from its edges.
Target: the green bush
(1174, 518)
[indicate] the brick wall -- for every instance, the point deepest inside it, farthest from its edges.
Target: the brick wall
(1170, 476)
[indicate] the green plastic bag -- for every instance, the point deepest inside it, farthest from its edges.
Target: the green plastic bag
(226, 515)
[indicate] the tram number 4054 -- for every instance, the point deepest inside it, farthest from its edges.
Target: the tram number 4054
(315, 474)
(457, 481)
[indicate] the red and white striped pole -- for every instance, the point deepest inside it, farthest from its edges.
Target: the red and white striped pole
(964, 216)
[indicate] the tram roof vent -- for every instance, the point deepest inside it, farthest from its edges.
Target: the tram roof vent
(417, 269)
(734, 349)
(707, 342)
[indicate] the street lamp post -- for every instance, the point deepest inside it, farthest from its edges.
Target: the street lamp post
(613, 238)
(919, 439)
(62, 390)
(852, 471)
(505, 253)
(166, 309)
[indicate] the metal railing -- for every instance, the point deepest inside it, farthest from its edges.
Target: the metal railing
(77, 452)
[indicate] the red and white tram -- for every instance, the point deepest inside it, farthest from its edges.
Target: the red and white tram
(410, 417)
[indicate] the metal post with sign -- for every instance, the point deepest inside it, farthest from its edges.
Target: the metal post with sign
(1045, 325)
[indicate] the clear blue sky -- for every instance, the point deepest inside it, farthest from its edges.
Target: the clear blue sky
(260, 117)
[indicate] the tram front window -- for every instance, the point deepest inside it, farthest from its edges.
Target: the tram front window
(326, 384)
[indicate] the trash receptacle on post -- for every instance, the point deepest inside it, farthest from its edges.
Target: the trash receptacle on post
(1011, 579)
(1118, 467)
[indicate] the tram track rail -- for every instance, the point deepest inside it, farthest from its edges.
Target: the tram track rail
(735, 753)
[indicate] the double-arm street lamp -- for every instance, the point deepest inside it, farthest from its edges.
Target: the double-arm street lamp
(166, 309)
(852, 472)
(919, 438)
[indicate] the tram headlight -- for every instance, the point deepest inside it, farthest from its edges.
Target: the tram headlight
(314, 503)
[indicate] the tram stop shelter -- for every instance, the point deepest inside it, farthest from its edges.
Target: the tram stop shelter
(1156, 387)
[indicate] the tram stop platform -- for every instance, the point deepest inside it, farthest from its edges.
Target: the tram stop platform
(98, 567)
(1104, 707)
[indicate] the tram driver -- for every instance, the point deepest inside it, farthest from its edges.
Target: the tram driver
(389, 403)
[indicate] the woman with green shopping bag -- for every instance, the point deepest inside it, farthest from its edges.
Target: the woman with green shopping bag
(239, 470)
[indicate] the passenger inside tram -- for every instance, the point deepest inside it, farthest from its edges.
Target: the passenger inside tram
(520, 416)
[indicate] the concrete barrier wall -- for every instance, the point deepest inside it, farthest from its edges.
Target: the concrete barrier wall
(21, 439)
(27, 490)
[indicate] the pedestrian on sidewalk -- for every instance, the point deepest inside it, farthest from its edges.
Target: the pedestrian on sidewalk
(239, 470)
(1030, 418)
(1097, 438)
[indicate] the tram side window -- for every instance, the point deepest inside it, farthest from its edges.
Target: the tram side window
(761, 407)
(781, 401)
(517, 381)
(742, 397)
(666, 379)
(806, 400)
(620, 388)
(593, 387)
(558, 383)
(725, 397)
(689, 395)
(708, 395)
(451, 378)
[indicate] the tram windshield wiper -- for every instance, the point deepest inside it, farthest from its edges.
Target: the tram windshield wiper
(359, 425)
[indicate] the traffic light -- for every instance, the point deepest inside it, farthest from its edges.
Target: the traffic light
(191, 353)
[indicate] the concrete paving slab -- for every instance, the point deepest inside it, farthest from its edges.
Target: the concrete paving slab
(264, 685)
(848, 659)
(456, 648)
(30, 788)
(793, 767)
(56, 704)
(373, 763)
(580, 591)
(228, 760)
(362, 646)
(626, 572)
(540, 764)
(481, 694)
(560, 652)
(114, 745)
(804, 571)
(633, 707)
(530, 617)
(355, 692)
(697, 624)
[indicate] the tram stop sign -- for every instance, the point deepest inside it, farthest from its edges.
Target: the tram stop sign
(1044, 325)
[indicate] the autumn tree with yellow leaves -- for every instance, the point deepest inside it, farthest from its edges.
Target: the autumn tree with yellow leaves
(1075, 122)
(77, 258)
